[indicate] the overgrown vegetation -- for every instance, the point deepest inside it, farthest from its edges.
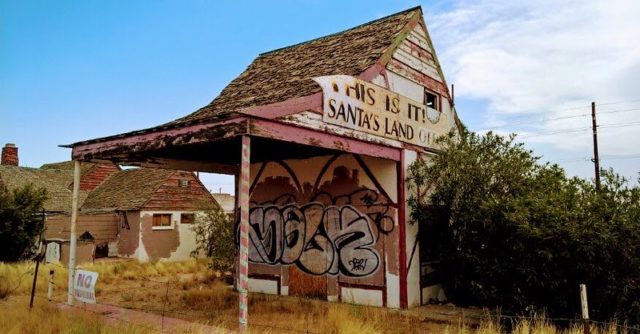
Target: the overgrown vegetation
(196, 294)
(520, 235)
(214, 231)
(47, 318)
(20, 224)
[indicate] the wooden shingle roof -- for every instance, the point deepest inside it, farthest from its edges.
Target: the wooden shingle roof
(126, 190)
(55, 181)
(286, 73)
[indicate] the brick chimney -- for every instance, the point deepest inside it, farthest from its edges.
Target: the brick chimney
(9, 155)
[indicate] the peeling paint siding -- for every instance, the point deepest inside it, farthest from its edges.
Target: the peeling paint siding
(380, 81)
(172, 244)
(362, 296)
(171, 196)
(421, 65)
(393, 284)
(187, 243)
(103, 227)
(84, 252)
(263, 286)
(413, 254)
(407, 87)
(129, 236)
(313, 120)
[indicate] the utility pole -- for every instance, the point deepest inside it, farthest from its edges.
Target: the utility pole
(596, 158)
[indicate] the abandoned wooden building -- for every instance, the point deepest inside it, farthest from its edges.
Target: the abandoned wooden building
(319, 136)
(143, 213)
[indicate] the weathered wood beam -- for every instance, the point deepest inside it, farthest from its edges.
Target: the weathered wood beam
(113, 149)
(279, 131)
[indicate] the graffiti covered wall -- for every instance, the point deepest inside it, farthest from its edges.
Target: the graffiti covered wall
(321, 225)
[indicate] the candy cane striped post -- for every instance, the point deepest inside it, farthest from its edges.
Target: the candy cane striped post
(243, 202)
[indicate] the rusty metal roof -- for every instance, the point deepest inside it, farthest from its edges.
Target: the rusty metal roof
(286, 73)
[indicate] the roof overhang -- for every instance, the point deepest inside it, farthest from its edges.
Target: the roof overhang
(215, 146)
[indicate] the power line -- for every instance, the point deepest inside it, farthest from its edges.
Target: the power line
(604, 157)
(561, 118)
(578, 129)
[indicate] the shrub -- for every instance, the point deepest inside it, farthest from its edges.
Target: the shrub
(521, 235)
(20, 222)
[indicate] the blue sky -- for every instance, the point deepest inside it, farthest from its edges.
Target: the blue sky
(75, 70)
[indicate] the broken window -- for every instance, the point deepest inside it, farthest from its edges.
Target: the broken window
(431, 100)
(433, 106)
(187, 218)
(162, 220)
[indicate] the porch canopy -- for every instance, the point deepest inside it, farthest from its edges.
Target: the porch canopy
(275, 101)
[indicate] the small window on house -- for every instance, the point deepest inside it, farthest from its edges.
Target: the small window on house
(431, 100)
(187, 218)
(184, 183)
(162, 220)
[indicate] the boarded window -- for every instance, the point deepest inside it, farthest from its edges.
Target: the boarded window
(162, 220)
(187, 218)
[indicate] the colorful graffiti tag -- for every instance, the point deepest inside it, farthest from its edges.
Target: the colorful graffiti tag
(318, 239)
(333, 232)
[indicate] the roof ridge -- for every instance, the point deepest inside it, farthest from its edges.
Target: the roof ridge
(419, 7)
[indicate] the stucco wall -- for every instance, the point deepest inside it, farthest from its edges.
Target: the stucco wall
(325, 225)
(145, 243)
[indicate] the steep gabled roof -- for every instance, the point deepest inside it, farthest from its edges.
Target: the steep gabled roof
(286, 73)
(55, 181)
(128, 189)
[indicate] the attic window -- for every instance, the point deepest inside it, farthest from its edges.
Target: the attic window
(431, 100)
(184, 183)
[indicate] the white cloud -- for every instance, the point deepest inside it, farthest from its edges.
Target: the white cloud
(533, 62)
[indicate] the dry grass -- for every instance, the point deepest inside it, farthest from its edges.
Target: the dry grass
(195, 293)
(46, 318)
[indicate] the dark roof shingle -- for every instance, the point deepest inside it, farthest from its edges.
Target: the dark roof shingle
(287, 73)
(55, 181)
(128, 189)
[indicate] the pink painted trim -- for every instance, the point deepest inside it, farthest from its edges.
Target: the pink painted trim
(371, 72)
(301, 135)
(291, 106)
(81, 149)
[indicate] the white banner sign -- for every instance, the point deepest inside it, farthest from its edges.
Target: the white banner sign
(366, 107)
(84, 286)
(52, 255)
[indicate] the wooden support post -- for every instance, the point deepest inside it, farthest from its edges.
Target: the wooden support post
(585, 308)
(402, 232)
(243, 202)
(35, 279)
(72, 234)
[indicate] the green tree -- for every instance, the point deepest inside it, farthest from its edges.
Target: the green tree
(20, 222)
(214, 231)
(521, 235)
